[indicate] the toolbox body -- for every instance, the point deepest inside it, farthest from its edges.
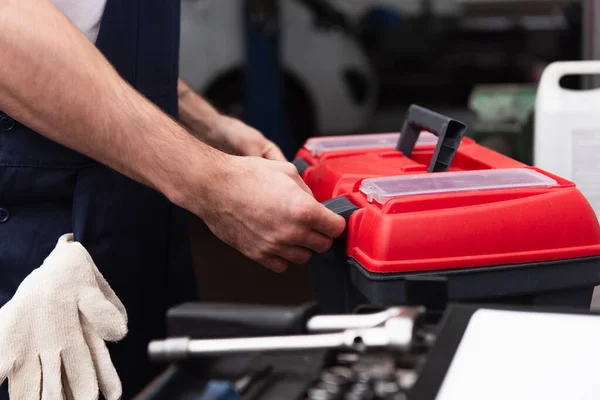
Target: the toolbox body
(488, 230)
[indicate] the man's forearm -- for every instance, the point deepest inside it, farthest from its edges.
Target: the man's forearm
(197, 115)
(55, 81)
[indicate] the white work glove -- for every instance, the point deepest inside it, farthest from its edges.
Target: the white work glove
(52, 331)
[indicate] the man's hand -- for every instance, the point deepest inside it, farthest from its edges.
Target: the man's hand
(239, 138)
(258, 206)
(264, 209)
(227, 134)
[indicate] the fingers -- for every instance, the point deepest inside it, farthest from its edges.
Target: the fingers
(104, 286)
(51, 376)
(302, 185)
(317, 242)
(108, 379)
(110, 294)
(275, 263)
(327, 222)
(293, 173)
(79, 378)
(273, 152)
(299, 255)
(319, 217)
(25, 382)
(295, 254)
(102, 315)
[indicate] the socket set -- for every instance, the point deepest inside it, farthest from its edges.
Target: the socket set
(365, 377)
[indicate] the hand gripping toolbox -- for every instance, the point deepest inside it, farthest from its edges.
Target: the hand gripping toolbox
(505, 233)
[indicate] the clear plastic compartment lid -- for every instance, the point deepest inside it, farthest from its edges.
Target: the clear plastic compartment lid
(318, 146)
(383, 189)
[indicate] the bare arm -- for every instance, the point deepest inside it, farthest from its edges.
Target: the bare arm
(220, 131)
(197, 114)
(85, 105)
(258, 206)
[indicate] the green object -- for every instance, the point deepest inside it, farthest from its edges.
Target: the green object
(503, 118)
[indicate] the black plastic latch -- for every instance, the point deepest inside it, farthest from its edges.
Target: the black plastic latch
(426, 290)
(300, 165)
(449, 131)
(341, 206)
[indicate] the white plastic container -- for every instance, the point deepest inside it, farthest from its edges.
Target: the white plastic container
(567, 128)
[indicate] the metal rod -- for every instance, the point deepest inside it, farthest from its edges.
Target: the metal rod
(323, 323)
(397, 333)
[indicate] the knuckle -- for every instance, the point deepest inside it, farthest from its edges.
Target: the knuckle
(304, 211)
(279, 237)
(325, 244)
(295, 234)
(255, 255)
(304, 258)
(277, 265)
(265, 261)
(290, 169)
(272, 249)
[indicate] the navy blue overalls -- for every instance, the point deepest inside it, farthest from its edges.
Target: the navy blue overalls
(137, 238)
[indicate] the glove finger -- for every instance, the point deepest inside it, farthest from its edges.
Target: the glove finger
(105, 287)
(103, 316)
(110, 294)
(108, 379)
(103, 284)
(52, 376)
(25, 381)
(79, 379)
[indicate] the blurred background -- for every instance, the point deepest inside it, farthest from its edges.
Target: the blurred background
(301, 68)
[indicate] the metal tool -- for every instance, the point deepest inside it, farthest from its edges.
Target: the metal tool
(396, 333)
(323, 323)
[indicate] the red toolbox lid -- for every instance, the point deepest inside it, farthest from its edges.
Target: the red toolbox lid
(332, 166)
(465, 219)
(337, 174)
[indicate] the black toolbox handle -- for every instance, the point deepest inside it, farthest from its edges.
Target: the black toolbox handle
(341, 206)
(223, 320)
(449, 131)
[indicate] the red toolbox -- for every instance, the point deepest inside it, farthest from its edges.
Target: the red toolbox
(503, 233)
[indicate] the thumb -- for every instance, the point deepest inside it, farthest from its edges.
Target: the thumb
(109, 293)
(101, 282)
(106, 319)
